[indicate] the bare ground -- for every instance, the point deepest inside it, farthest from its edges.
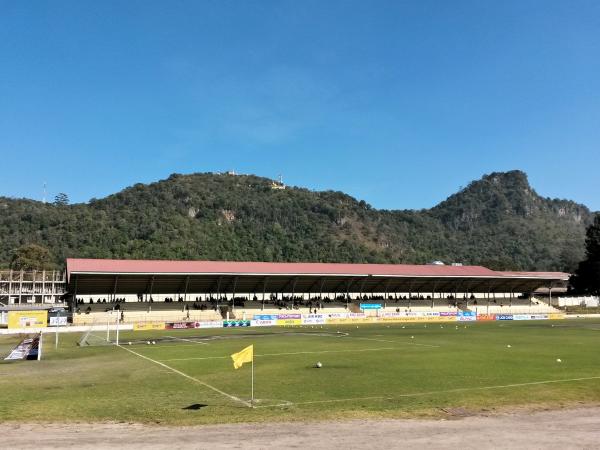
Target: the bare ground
(558, 429)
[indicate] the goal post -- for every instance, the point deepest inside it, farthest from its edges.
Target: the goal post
(103, 332)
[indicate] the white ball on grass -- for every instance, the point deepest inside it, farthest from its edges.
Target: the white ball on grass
(129, 342)
(153, 342)
(508, 346)
(318, 365)
(558, 360)
(148, 342)
(412, 337)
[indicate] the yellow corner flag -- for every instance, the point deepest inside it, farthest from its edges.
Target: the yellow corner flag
(243, 356)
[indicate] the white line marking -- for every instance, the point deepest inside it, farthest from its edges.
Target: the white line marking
(187, 340)
(292, 353)
(419, 394)
(394, 342)
(189, 377)
(228, 337)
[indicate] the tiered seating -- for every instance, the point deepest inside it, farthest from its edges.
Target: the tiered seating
(249, 313)
(98, 317)
(515, 309)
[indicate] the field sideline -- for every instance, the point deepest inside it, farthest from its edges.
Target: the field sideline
(373, 371)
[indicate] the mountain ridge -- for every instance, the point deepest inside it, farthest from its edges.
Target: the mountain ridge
(498, 221)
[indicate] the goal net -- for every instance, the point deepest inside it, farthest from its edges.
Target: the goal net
(98, 334)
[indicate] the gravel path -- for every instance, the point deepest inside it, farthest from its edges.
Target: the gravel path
(559, 429)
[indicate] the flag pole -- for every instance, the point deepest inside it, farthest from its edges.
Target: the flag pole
(252, 398)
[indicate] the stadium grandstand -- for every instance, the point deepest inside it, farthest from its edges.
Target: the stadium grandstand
(147, 290)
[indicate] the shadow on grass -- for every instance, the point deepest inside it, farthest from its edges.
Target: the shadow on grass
(195, 406)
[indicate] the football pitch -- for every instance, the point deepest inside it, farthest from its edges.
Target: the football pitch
(396, 370)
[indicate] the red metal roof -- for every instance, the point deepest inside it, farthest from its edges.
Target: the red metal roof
(561, 275)
(270, 268)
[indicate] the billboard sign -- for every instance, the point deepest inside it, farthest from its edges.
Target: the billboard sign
(57, 321)
(27, 319)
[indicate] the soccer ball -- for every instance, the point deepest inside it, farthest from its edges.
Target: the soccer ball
(129, 342)
(148, 342)
(558, 360)
(153, 342)
(318, 365)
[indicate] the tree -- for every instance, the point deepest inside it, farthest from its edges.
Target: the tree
(586, 279)
(31, 257)
(61, 199)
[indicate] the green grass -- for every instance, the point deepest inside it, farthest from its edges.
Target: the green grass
(374, 371)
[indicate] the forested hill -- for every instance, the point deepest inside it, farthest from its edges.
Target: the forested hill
(498, 221)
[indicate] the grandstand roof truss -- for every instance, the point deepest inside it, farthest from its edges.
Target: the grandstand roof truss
(205, 277)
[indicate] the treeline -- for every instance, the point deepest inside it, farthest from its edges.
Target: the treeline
(498, 221)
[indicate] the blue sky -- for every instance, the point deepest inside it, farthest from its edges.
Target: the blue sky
(398, 103)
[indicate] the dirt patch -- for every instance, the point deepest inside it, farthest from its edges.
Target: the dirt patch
(559, 429)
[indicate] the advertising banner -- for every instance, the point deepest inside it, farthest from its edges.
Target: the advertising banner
(287, 322)
(179, 325)
(337, 315)
(313, 319)
(289, 316)
(147, 326)
(337, 320)
(539, 316)
(466, 316)
(289, 319)
(236, 323)
(263, 322)
(209, 324)
(27, 319)
(521, 317)
(57, 321)
(504, 317)
(485, 317)
(348, 320)
(356, 315)
(555, 316)
(265, 317)
(183, 325)
(420, 316)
